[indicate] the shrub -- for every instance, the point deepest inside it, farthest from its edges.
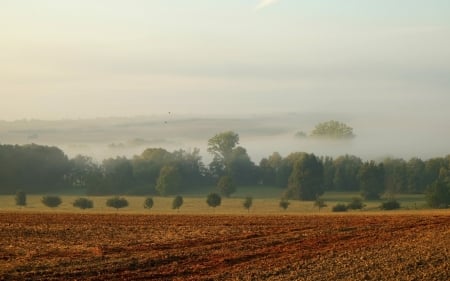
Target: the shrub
(248, 202)
(340, 208)
(83, 203)
(177, 202)
(284, 204)
(390, 205)
(356, 204)
(117, 202)
(21, 198)
(51, 201)
(214, 200)
(148, 203)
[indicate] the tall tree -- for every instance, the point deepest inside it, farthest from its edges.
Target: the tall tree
(371, 180)
(438, 193)
(221, 146)
(169, 181)
(306, 179)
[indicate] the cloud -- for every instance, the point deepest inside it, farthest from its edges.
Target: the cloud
(265, 3)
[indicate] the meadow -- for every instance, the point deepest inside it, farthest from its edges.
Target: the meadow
(265, 201)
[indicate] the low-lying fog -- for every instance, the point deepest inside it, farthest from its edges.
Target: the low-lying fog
(376, 136)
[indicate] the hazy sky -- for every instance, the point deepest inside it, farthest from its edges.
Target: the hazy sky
(82, 59)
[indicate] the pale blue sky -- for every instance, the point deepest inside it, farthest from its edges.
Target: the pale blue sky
(83, 59)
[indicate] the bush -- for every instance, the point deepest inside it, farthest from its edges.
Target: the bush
(148, 203)
(51, 201)
(340, 208)
(177, 202)
(390, 205)
(83, 203)
(284, 204)
(117, 202)
(248, 202)
(21, 198)
(214, 200)
(356, 204)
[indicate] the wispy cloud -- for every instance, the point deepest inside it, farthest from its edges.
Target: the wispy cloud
(265, 3)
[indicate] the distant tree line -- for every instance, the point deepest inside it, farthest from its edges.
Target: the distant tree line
(41, 169)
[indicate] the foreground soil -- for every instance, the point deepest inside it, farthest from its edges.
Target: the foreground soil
(182, 247)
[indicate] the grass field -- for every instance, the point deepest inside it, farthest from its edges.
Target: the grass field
(73, 246)
(196, 204)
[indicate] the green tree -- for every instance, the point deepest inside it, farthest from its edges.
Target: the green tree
(306, 179)
(117, 202)
(390, 205)
(248, 202)
(416, 175)
(21, 198)
(83, 203)
(221, 146)
(284, 204)
(333, 129)
(241, 169)
(371, 178)
(340, 208)
(169, 181)
(226, 186)
(148, 203)
(51, 201)
(438, 193)
(177, 202)
(346, 170)
(356, 204)
(213, 200)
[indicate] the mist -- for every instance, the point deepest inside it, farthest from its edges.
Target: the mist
(377, 136)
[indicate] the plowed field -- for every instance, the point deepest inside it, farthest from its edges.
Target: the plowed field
(186, 247)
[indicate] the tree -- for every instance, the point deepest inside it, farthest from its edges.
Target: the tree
(333, 129)
(51, 201)
(213, 200)
(241, 169)
(356, 204)
(346, 173)
(371, 180)
(177, 202)
(83, 203)
(416, 175)
(390, 205)
(220, 146)
(226, 186)
(284, 204)
(340, 208)
(21, 198)
(306, 179)
(438, 193)
(248, 202)
(118, 175)
(148, 203)
(320, 203)
(117, 202)
(169, 181)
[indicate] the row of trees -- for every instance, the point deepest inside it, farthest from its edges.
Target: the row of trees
(213, 200)
(41, 169)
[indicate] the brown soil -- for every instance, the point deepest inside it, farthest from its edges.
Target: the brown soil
(182, 247)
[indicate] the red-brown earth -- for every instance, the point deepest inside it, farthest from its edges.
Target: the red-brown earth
(222, 247)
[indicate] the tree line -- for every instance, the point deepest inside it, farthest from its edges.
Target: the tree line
(41, 169)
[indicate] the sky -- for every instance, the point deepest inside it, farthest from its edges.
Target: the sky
(75, 59)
